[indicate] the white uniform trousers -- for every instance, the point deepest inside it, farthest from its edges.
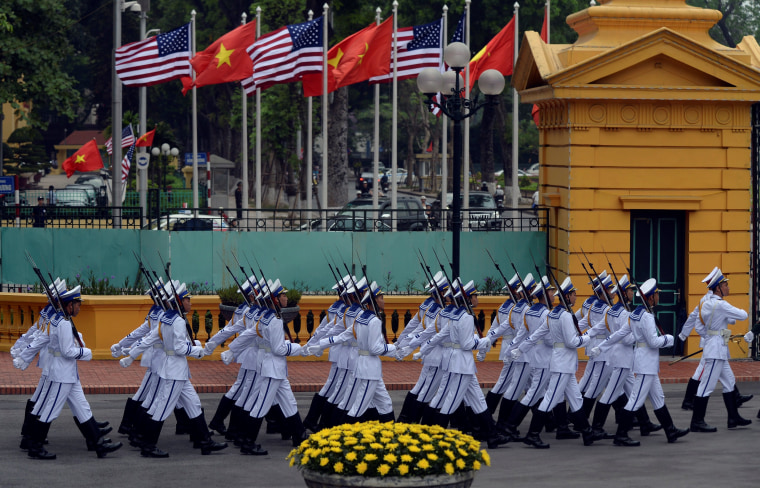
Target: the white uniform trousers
(440, 394)
(646, 385)
(330, 384)
(55, 394)
(151, 390)
(267, 392)
(698, 372)
(246, 386)
(501, 384)
(175, 393)
(562, 386)
(591, 365)
(38, 390)
(142, 392)
(235, 388)
(518, 381)
(366, 393)
(539, 380)
(463, 388)
(716, 370)
(621, 381)
(597, 381)
(428, 383)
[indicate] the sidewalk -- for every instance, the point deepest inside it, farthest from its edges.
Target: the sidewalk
(213, 376)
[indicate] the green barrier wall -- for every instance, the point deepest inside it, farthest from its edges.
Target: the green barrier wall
(296, 258)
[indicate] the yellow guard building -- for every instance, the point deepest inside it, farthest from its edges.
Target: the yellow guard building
(646, 149)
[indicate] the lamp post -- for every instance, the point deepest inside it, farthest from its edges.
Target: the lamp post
(166, 150)
(453, 104)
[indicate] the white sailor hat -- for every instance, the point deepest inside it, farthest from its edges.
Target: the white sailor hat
(538, 290)
(359, 288)
(595, 281)
(649, 288)
(709, 277)
(58, 286)
(623, 284)
(606, 281)
(343, 282)
(168, 290)
(529, 281)
(72, 295)
(157, 285)
(182, 292)
(245, 286)
(373, 290)
(453, 290)
(567, 286)
(467, 289)
(716, 280)
(514, 282)
(440, 283)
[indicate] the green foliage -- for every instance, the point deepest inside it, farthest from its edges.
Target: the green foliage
(92, 284)
(491, 286)
(294, 296)
(27, 153)
(230, 296)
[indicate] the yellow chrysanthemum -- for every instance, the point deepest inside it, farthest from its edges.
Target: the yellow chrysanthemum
(370, 457)
(425, 438)
(376, 445)
(360, 447)
(361, 468)
(460, 463)
(449, 454)
(334, 444)
(432, 456)
(405, 439)
(292, 461)
(406, 458)
(351, 456)
(390, 458)
(444, 444)
(476, 465)
(414, 449)
(423, 464)
(403, 469)
(383, 469)
(449, 468)
(338, 467)
(462, 452)
(428, 447)
(336, 449)
(486, 457)
(392, 446)
(350, 441)
(305, 460)
(323, 461)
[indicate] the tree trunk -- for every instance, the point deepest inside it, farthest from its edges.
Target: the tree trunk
(338, 174)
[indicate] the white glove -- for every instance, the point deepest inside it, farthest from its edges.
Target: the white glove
(304, 351)
(116, 351)
(14, 353)
(417, 355)
(595, 351)
(125, 362)
(19, 363)
(515, 353)
(209, 349)
(125, 351)
(484, 345)
(197, 343)
(404, 352)
(228, 356)
(749, 337)
(481, 356)
(682, 337)
(314, 351)
(668, 340)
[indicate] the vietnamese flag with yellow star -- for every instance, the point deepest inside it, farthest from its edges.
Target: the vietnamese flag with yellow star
(225, 60)
(87, 158)
(356, 58)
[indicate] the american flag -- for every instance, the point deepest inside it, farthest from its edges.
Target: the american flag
(158, 59)
(127, 139)
(285, 55)
(126, 163)
(458, 36)
(419, 47)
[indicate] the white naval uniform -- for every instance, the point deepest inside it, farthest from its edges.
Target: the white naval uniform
(502, 328)
(236, 325)
(563, 385)
(715, 316)
(343, 345)
(689, 325)
(619, 348)
(368, 388)
(36, 343)
(584, 325)
(432, 372)
(519, 377)
(439, 349)
(327, 323)
(246, 350)
(646, 360)
(146, 392)
(539, 356)
(593, 383)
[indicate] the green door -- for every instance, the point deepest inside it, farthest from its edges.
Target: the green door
(657, 251)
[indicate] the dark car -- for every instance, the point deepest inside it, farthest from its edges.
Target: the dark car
(483, 212)
(359, 215)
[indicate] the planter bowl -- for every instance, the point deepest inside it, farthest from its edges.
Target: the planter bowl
(314, 479)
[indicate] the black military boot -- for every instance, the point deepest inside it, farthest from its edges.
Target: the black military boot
(625, 420)
(250, 434)
(691, 393)
(600, 418)
(237, 422)
(618, 405)
(459, 419)
(201, 435)
(275, 422)
(327, 415)
(550, 424)
(409, 409)
(150, 431)
(488, 431)
(339, 416)
(536, 425)
(492, 401)
(95, 440)
(581, 424)
(504, 411)
(183, 421)
(519, 411)
(671, 431)
(734, 419)
(37, 431)
(311, 421)
(141, 418)
(296, 429)
(387, 417)
(128, 418)
(28, 418)
(646, 426)
(741, 399)
(563, 426)
(222, 410)
(430, 416)
(588, 406)
(699, 408)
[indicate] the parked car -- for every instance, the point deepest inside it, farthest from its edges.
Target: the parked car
(72, 198)
(358, 215)
(533, 170)
(483, 212)
(369, 177)
(89, 190)
(92, 179)
(189, 221)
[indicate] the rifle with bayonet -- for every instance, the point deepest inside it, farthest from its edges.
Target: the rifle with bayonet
(620, 293)
(180, 308)
(237, 283)
(541, 280)
(602, 290)
(151, 284)
(372, 298)
(526, 292)
(644, 300)
(466, 302)
(506, 282)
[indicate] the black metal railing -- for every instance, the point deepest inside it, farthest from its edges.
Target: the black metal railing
(69, 217)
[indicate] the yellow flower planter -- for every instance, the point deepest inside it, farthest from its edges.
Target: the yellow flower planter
(321, 480)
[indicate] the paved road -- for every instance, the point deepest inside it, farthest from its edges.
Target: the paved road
(726, 458)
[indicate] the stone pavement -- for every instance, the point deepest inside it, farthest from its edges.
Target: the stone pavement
(213, 376)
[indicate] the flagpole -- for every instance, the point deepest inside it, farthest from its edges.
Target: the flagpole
(142, 174)
(309, 145)
(466, 158)
(116, 125)
(323, 183)
(244, 142)
(194, 121)
(548, 15)
(444, 133)
(394, 121)
(376, 143)
(515, 118)
(258, 130)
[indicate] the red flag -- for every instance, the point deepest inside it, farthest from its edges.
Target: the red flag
(87, 158)
(224, 60)
(536, 112)
(146, 140)
(499, 54)
(356, 58)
